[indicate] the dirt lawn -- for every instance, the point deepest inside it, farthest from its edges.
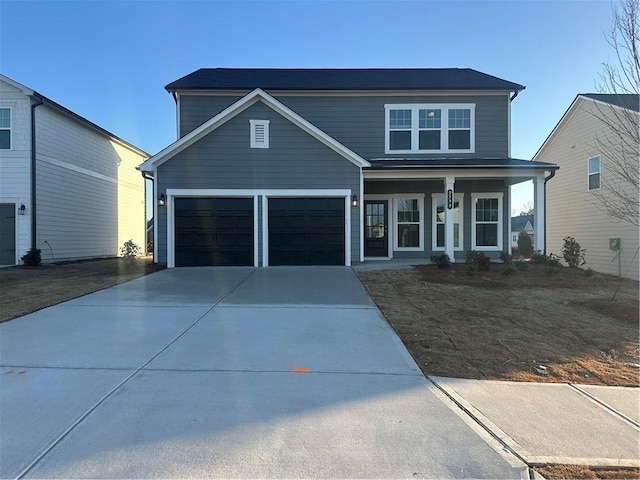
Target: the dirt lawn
(27, 289)
(491, 325)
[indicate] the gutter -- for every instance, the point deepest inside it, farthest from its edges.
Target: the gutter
(33, 168)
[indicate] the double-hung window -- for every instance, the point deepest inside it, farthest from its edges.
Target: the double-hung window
(430, 128)
(5, 129)
(409, 222)
(594, 173)
(439, 205)
(487, 221)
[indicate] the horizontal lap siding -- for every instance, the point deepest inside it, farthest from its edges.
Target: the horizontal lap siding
(223, 160)
(358, 121)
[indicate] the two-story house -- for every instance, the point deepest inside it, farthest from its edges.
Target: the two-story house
(337, 166)
(67, 186)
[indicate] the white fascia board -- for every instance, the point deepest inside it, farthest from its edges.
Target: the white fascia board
(410, 173)
(238, 107)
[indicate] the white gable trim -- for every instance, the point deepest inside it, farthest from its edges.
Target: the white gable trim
(238, 107)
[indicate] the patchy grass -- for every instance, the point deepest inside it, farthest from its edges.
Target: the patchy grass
(501, 325)
(569, 472)
(28, 289)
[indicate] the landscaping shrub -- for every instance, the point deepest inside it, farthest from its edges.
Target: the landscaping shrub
(525, 247)
(442, 261)
(478, 260)
(553, 260)
(32, 257)
(506, 258)
(539, 257)
(129, 251)
(572, 253)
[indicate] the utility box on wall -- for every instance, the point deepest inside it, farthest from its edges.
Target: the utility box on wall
(614, 244)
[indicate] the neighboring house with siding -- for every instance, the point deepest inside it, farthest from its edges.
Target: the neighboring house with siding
(72, 189)
(337, 166)
(521, 222)
(573, 207)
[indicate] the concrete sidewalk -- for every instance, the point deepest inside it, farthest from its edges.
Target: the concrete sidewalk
(228, 372)
(555, 423)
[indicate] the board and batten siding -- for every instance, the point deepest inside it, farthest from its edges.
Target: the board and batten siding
(15, 167)
(90, 197)
(572, 210)
(358, 122)
(224, 160)
(429, 187)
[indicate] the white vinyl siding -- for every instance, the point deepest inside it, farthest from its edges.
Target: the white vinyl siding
(430, 128)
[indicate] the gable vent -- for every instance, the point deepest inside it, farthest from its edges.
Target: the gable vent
(259, 133)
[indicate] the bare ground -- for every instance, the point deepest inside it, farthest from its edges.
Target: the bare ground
(569, 472)
(28, 289)
(491, 325)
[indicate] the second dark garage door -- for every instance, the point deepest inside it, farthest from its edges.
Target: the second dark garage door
(213, 231)
(306, 231)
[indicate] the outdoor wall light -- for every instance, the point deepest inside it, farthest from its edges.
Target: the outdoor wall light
(22, 209)
(162, 200)
(354, 200)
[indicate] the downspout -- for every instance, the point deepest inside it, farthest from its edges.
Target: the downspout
(546, 179)
(33, 169)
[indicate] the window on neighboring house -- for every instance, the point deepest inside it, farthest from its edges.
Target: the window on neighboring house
(259, 133)
(409, 221)
(430, 128)
(594, 173)
(5, 128)
(487, 221)
(438, 221)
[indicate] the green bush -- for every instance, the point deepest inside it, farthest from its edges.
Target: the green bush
(129, 251)
(539, 257)
(478, 260)
(553, 261)
(32, 257)
(572, 253)
(525, 247)
(442, 261)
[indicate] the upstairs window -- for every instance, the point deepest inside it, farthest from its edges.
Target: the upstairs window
(433, 128)
(5, 129)
(594, 173)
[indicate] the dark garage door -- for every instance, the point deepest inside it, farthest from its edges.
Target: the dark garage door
(306, 231)
(213, 231)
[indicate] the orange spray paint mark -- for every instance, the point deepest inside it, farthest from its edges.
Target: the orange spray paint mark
(300, 370)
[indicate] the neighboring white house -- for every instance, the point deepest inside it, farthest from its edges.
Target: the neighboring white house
(518, 223)
(88, 197)
(573, 207)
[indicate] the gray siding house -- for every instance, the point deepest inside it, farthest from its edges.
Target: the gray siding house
(337, 166)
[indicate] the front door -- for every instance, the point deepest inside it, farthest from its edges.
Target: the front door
(376, 228)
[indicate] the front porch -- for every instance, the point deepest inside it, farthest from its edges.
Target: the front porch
(415, 209)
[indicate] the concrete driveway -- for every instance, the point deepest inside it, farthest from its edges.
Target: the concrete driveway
(228, 372)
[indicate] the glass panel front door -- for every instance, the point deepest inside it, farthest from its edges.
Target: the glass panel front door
(376, 228)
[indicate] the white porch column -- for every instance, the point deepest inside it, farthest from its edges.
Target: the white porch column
(539, 213)
(449, 200)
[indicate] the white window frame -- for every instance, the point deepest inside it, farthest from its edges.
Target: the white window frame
(444, 126)
(474, 198)
(434, 222)
(254, 126)
(599, 173)
(409, 196)
(10, 129)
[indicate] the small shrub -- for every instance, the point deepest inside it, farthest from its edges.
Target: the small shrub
(479, 260)
(442, 261)
(471, 269)
(521, 266)
(572, 253)
(525, 247)
(589, 272)
(510, 270)
(32, 257)
(553, 261)
(539, 257)
(506, 258)
(129, 251)
(554, 269)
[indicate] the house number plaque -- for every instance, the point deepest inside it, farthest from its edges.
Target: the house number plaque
(449, 199)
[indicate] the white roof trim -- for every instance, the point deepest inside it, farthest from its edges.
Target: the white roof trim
(19, 86)
(238, 107)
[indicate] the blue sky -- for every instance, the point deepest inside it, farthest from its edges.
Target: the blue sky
(109, 61)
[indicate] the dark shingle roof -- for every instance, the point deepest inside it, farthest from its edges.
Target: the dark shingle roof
(341, 79)
(519, 222)
(391, 163)
(629, 101)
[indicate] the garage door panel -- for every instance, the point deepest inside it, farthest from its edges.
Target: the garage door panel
(214, 231)
(306, 231)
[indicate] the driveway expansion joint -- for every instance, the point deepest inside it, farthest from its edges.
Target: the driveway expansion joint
(618, 414)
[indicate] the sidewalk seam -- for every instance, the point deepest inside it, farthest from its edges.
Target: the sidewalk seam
(606, 406)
